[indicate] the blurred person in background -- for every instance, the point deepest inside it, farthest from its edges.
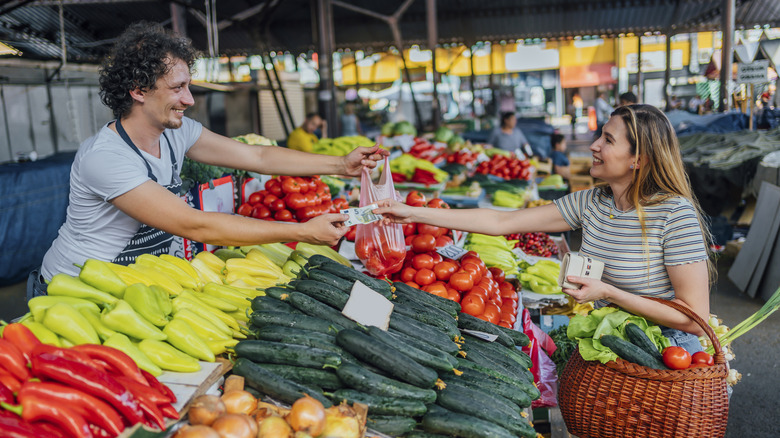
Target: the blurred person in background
(350, 123)
(560, 161)
(628, 98)
(508, 137)
(303, 137)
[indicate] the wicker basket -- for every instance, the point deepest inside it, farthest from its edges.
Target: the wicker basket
(621, 399)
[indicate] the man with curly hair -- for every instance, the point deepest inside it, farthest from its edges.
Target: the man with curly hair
(124, 185)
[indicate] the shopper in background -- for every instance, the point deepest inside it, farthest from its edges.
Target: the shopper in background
(643, 222)
(560, 161)
(350, 123)
(628, 98)
(125, 186)
(508, 137)
(303, 137)
(603, 110)
(694, 105)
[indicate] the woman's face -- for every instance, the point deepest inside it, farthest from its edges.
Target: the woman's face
(612, 158)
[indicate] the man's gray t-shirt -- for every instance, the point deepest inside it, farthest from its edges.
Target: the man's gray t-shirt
(507, 142)
(106, 167)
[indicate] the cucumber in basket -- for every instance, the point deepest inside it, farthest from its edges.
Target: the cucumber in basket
(631, 352)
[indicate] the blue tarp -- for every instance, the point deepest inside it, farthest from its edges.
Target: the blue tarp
(33, 203)
(685, 123)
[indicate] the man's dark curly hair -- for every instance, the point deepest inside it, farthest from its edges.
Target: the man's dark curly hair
(139, 57)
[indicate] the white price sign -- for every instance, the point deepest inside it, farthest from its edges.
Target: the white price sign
(451, 252)
(753, 73)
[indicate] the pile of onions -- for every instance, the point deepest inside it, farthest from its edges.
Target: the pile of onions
(307, 415)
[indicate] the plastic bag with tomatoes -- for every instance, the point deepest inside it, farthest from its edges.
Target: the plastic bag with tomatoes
(380, 247)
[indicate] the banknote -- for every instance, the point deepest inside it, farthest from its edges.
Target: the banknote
(361, 215)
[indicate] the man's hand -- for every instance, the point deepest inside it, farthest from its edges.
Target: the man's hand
(326, 229)
(362, 156)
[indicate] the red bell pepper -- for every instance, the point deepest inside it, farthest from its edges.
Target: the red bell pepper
(93, 409)
(22, 337)
(6, 395)
(14, 427)
(168, 411)
(66, 353)
(9, 381)
(99, 432)
(154, 383)
(143, 391)
(119, 362)
(50, 430)
(90, 380)
(34, 408)
(12, 359)
(152, 413)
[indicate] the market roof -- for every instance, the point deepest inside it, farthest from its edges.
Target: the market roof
(252, 27)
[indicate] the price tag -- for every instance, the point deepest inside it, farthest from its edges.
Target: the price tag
(368, 307)
(481, 335)
(523, 256)
(451, 252)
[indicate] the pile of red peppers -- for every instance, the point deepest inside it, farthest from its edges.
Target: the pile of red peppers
(85, 391)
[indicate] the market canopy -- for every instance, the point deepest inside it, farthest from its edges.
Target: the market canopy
(252, 27)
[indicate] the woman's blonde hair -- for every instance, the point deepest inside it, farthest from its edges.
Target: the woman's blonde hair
(659, 172)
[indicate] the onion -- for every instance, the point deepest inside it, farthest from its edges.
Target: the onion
(239, 402)
(199, 431)
(205, 410)
(235, 426)
(274, 427)
(340, 423)
(307, 415)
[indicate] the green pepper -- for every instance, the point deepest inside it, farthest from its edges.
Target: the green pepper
(545, 272)
(97, 274)
(122, 318)
(93, 317)
(67, 286)
(544, 289)
(144, 301)
(163, 299)
(38, 305)
(67, 322)
(122, 343)
(183, 337)
(167, 357)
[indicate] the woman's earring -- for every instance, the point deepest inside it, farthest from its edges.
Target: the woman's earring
(631, 166)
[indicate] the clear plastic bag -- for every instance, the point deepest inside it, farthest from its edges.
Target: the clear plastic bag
(380, 247)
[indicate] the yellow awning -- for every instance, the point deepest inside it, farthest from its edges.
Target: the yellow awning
(5, 49)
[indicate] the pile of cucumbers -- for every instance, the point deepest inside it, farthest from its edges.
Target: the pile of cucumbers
(424, 377)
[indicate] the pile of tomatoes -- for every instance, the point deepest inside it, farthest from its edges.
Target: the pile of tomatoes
(535, 244)
(463, 156)
(678, 358)
(506, 167)
(292, 199)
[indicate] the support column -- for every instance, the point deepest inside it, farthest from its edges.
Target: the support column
(727, 50)
(433, 37)
(639, 94)
(668, 71)
(179, 19)
(327, 94)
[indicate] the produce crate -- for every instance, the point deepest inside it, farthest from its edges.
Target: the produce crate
(463, 201)
(581, 182)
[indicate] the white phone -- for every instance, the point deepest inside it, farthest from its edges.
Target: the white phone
(579, 265)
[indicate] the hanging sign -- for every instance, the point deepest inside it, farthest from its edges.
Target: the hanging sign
(753, 73)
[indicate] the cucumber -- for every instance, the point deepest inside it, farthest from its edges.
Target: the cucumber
(493, 361)
(525, 385)
(273, 385)
(306, 322)
(321, 292)
(437, 363)
(464, 400)
(386, 358)
(262, 303)
(442, 421)
(512, 353)
(498, 355)
(312, 307)
(638, 337)
(350, 274)
(290, 335)
(378, 405)
(428, 315)
(631, 352)
(391, 425)
(520, 338)
(362, 379)
(305, 376)
(286, 354)
(485, 382)
(423, 332)
(468, 322)
(406, 291)
(328, 279)
(422, 434)
(424, 346)
(277, 292)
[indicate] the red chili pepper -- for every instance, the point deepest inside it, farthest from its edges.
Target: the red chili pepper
(66, 353)
(168, 411)
(143, 391)
(49, 430)
(90, 380)
(153, 415)
(156, 384)
(12, 359)
(40, 409)
(21, 336)
(93, 409)
(9, 381)
(116, 359)
(6, 395)
(14, 427)
(99, 432)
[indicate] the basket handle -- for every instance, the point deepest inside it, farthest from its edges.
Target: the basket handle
(719, 357)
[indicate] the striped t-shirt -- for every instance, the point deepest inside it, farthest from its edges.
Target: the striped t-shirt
(673, 238)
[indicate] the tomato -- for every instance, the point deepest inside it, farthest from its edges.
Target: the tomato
(701, 357)
(453, 295)
(364, 248)
(443, 241)
(277, 205)
(340, 203)
(472, 304)
(507, 305)
(481, 291)
(305, 213)
(437, 258)
(506, 287)
(505, 324)
(444, 270)
(476, 274)
(269, 199)
(310, 198)
(437, 203)
(492, 312)
(351, 234)
(509, 317)
(407, 274)
(290, 185)
(261, 212)
(421, 261)
(408, 239)
(498, 274)
(255, 198)
(410, 229)
(303, 184)
(437, 288)
(374, 264)
(676, 358)
(415, 199)
(283, 215)
(295, 201)
(423, 243)
(430, 229)
(274, 187)
(412, 284)
(461, 281)
(424, 277)
(245, 210)
(508, 294)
